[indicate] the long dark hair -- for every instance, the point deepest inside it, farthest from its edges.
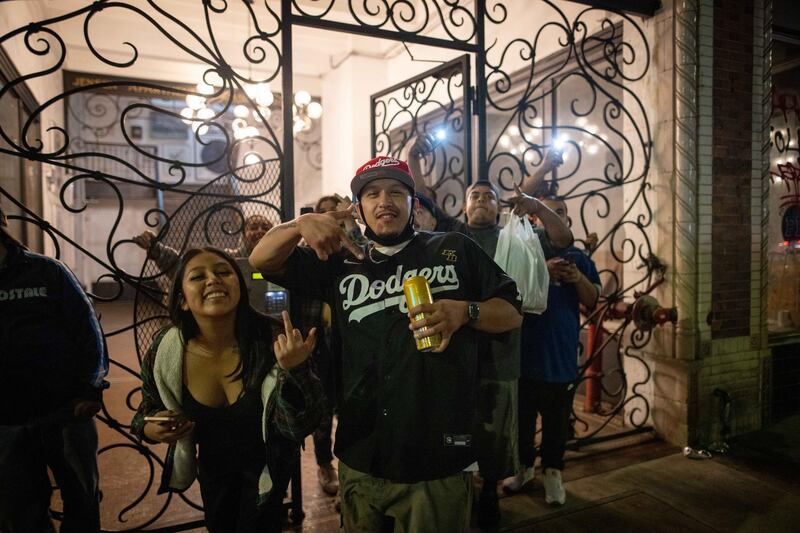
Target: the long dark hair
(250, 327)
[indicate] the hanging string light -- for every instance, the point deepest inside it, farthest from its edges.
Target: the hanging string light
(196, 110)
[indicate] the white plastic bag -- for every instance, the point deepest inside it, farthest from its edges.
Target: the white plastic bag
(520, 254)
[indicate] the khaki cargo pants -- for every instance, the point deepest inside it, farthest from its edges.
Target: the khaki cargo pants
(437, 506)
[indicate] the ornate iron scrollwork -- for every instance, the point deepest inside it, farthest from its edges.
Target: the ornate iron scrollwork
(524, 92)
(456, 18)
(207, 210)
(578, 98)
(434, 103)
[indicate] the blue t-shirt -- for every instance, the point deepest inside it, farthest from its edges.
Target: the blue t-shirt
(550, 340)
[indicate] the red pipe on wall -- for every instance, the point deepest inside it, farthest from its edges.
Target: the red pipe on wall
(591, 398)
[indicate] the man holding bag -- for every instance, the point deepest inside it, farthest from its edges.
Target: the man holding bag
(500, 371)
(549, 364)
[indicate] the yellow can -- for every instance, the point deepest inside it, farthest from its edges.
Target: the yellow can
(418, 291)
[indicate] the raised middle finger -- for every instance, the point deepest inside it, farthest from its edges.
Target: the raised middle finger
(287, 323)
(281, 342)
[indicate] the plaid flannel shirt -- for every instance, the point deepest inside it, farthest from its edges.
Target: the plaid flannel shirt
(294, 409)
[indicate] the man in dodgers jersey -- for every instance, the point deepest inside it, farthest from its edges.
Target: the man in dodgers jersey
(404, 436)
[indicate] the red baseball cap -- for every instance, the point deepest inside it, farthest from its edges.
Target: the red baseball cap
(379, 168)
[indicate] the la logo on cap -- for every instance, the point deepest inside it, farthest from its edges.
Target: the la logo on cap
(383, 162)
(381, 167)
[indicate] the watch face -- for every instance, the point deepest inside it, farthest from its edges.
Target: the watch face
(473, 311)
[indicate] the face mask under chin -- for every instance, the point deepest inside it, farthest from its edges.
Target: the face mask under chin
(391, 240)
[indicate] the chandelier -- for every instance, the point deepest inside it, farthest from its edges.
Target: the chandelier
(245, 124)
(304, 109)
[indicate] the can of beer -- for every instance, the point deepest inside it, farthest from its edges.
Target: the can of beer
(418, 291)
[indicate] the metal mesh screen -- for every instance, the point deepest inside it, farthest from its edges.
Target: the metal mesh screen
(214, 215)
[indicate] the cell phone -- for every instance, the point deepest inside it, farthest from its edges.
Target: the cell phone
(304, 210)
(160, 419)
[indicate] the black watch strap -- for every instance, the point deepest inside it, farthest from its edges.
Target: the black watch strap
(474, 312)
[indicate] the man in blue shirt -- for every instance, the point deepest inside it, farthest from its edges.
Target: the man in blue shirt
(53, 361)
(499, 368)
(549, 364)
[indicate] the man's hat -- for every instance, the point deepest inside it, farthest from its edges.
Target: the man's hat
(379, 168)
(425, 202)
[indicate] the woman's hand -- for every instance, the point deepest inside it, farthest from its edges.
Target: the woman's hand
(290, 348)
(170, 431)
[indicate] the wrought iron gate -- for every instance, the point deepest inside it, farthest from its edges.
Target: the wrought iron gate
(574, 94)
(435, 103)
(576, 98)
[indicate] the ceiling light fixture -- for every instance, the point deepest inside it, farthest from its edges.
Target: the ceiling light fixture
(304, 109)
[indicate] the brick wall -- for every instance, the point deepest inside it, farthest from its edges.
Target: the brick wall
(732, 160)
(732, 350)
(736, 371)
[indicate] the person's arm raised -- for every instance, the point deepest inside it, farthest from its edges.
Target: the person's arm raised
(557, 231)
(530, 183)
(322, 232)
(423, 145)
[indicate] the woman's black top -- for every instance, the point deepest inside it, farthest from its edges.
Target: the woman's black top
(229, 437)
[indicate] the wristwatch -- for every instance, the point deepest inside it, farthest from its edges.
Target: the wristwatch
(473, 312)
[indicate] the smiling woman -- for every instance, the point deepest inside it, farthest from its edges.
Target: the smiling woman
(209, 289)
(211, 384)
